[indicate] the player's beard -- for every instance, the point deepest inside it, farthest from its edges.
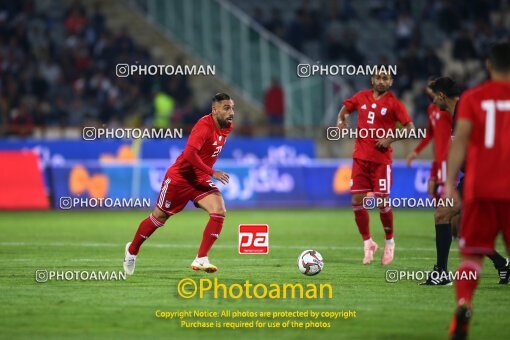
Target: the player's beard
(381, 89)
(224, 123)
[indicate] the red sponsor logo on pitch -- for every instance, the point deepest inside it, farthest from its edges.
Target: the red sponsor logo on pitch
(253, 239)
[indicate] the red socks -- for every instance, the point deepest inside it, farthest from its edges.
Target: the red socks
(386, 215)
(211, 233)
(151, 223)
(146, 228)
(465, 285)
(362, 221)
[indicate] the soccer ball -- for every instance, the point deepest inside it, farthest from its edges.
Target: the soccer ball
(310, 262)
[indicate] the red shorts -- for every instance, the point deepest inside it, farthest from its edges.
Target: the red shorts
(370, 177)
(481, 223)
(174, 197)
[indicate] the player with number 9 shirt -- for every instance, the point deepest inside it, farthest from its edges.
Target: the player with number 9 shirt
(379, 109)
(189, 179)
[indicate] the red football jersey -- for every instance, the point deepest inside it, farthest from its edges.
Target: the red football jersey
(429, 134)
(440, 128)
(383, 113)
(209, 141)
(442, 134)
(487, 107)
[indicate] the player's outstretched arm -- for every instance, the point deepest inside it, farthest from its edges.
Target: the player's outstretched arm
(423, 143)
(410, 157)
(341, 122)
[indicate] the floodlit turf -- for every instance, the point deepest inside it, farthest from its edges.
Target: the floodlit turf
(126, 309)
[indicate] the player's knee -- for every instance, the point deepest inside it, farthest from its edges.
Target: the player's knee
(357, 199)
(218, 211)
(160, 215)
(442, 216)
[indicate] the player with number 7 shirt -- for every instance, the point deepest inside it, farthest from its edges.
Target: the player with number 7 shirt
(378, 108)
(189, 179)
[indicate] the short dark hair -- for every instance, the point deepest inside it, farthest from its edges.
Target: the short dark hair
(499, 56)
(218, 97)
(446, 85)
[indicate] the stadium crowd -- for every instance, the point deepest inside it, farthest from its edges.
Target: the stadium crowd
(57, 69)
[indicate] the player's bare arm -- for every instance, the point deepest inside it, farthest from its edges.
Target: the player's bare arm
(456, 157)
(342, 118)
(386, 142)
(411, 157)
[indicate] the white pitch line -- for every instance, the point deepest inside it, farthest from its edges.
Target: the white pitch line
(178, 245)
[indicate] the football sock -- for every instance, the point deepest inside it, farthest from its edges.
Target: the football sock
(390, 241)
(386, 215)
(362, 221)
(146, 228)
(211, 233)
(465, 285)
(443, 242)
(498, 260)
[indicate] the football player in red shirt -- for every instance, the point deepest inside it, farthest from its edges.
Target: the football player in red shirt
(189, 179)
(446, 95)
(432, 115)
(482, 139)
(378, 108)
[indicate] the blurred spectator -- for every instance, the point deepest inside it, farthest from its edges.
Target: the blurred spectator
(404, 30)
(463, 47)
(333, 31)
(275, 23)
(188, 115)
(258, 16)
(59, 115)
(274, 107)
(163, 108)
(20, 124)
(431, 63)
(349, 50)
(448, 17)
(124, 43)
(379, 9)
(347, 11)
(75, 21)
(296, 30)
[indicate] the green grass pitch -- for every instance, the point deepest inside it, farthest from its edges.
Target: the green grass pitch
(125, 309)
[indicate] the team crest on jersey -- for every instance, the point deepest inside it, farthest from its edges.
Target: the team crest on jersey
(364, 106)
(383, 111)
(220, 138)
(167, 204)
